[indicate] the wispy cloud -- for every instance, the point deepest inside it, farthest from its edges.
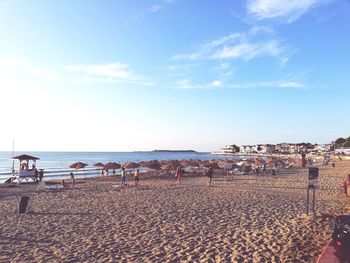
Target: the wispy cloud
(287, 11)
(243, 46)
(224, 70)
(188, 84)
(154, 8)
(280, 84)
(260, 29)
(26, 67)
(248, 51)
(148, 10)
(107, 73)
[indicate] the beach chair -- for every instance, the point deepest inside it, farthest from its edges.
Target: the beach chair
(55, 187)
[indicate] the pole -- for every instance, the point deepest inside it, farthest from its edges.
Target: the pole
(13, 155)
(313, 200)
(307, 201)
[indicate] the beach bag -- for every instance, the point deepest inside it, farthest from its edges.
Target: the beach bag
(341, 231)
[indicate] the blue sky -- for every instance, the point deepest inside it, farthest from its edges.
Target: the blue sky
(172, 74)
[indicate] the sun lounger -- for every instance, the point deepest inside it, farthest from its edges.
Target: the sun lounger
(55, 187)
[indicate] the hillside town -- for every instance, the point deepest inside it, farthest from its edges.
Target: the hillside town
(281, 148)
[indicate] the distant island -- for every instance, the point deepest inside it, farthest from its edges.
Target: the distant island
(175, 151)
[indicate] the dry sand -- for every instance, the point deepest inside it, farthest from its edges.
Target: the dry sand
(241, 219)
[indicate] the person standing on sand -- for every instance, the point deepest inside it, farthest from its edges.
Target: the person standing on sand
(273, 171)
(73, 179)
(136, 177)
(178, 174)
(123, 176)
(210, 173)
(41, 175)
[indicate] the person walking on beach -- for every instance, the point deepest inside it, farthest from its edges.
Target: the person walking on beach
(264, 169)
(178, 174)
(136, 177)
(73, 179)
(210, 173)
(123, 176)
(273, 171)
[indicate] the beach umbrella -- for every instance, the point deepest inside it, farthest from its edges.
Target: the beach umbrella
(77, 165)
(99, 165)
(212, 165)
(130, 165)
(168, 166)
(151, 165)
(112, 165)
(235, 166)
(191, 162)
(171, 165)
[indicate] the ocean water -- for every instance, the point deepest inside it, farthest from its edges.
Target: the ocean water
(56, 164)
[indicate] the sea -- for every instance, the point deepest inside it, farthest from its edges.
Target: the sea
(56, 164)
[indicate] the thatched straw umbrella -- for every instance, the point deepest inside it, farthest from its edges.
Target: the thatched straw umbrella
(77, 165)
(130, 165)
(100, 166)
(171, 165)
(213, 165)
(112, 165)
(151, 165)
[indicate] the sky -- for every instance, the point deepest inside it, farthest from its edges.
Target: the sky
(121, 75)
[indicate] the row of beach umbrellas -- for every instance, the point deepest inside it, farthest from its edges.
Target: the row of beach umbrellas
(169, 165)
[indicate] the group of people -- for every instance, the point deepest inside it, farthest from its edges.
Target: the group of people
(136, 177)
(178, 175)
(209, 172)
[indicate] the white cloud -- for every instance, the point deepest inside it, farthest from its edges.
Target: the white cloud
(260, 29)
(187, 84)
(154, 9)
(18, 64)
(285, 84)
(148, 10)
(216, 83)
(249, 51)
(289, 11)
(280, 84)
(224, 40)
(107, 73)
(290, 84)
(239, 46)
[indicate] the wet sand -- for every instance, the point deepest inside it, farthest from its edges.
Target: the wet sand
(243, 218)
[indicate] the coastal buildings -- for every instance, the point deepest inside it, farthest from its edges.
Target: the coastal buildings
(281, 148)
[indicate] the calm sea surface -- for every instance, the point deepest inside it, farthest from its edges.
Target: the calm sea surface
(60, 161)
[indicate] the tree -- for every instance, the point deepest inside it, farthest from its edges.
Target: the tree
(347, 143)
(340, 142)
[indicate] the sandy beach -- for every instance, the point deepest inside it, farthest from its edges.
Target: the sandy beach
(244, 218)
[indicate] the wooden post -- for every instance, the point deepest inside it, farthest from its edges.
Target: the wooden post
(307, 201)
(313, 200)
(23, 203)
